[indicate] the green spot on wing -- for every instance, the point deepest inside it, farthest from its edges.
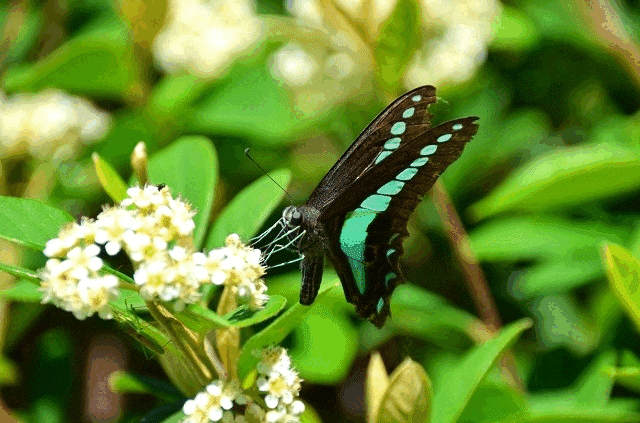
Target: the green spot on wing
(376, 202)
(407, 174)
(393, 143)
(444, 138)
(391, 188)
(352, 243)
(428, 150)
(382, 156)
(398, 128)
(409, 112)
(421, 161)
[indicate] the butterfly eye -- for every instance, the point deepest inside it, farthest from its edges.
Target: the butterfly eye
(296, 218)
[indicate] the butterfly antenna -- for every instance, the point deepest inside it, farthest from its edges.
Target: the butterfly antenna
(247, 152)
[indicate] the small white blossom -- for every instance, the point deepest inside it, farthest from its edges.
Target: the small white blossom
(279, 382)
(274, 359)
(212, 404)
(73, 281)
(284, 414)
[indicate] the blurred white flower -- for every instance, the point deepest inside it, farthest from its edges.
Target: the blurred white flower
(461, 48)
(294, 65)
(50, 123)
(206, 36)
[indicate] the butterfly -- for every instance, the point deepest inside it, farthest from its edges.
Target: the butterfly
(357, 215)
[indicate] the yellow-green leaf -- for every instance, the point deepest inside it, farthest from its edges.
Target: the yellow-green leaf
(112, 183)
(375, 385)
(407, 397)
(623, 271)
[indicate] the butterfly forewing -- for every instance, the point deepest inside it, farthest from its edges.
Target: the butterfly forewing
(374, 142)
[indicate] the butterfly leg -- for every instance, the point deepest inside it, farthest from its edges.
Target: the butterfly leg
(312, 266)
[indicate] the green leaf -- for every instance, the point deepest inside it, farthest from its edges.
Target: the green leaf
(21, 272)
(629, 377)
(125, 382)
(9, 372)
(400, 36)
(376, 382)
(274, 334)
(562, 322)
(309, 415)
(424, 314)
(30, 222)
(595, 385)
(514, 32)
(623, 271)
(248, 210)
(22, 291)
(493, 402)
(454, 393)
(325, 344)
(99, 61)
(566, 252)
(565, 177)
(17, 47)
(174, 95)
(259, 108)
(189, 167)
(587, 415)
(242, 317)
(201, 320)
(407, 398)
(148, 335)
(110, 180)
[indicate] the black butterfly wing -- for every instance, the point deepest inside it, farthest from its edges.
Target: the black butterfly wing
(365, 248)
(362, 153)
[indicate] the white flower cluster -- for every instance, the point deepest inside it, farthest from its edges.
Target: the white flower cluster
(205, 36)
(464, 29)
(277, 379)
(51, 123)
(281, 384)
(72, 280)
(240, 268)
(156, 232)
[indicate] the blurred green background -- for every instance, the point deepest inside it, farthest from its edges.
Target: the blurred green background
(552, 175)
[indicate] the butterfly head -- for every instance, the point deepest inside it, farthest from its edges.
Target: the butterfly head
(302, 225)
(292, 217)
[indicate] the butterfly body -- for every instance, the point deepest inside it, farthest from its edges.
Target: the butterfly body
(358, 213)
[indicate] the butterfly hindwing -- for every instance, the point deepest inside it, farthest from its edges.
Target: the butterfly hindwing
(369, 241)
